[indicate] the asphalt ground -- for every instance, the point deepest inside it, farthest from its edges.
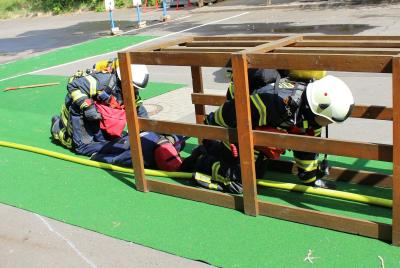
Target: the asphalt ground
(57, 244)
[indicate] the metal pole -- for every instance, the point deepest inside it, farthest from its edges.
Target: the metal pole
(111, 20)
(139, 17)
(164, 8)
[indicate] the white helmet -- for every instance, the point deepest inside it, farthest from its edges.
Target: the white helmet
(140, 75)
(330, 98)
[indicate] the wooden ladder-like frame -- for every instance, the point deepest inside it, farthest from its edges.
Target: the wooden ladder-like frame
(375, 54)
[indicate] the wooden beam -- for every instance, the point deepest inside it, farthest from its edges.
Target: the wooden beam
(182, 59)
(396, 151)
(208, 99)
(167, 43)
(245, 137)
(373, 112)
(349, 43)
(336, 62)
(186, 129)
(351, 37)
(239, 37)
(132, 120)
(197, 81)
(178, 49)
(227, 43)
(338, 174)
(359, 111)
(197, 194)
(366, 228)
(338, 50)
(371, 151)
(264, 48)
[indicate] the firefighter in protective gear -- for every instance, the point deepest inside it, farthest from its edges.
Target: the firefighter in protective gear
(294, 107)
(78, 126)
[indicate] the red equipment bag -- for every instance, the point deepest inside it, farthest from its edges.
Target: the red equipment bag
(166, 156)
(113, 118)
(270, 152)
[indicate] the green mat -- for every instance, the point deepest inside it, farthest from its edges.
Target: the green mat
(107, 202)
(68, 54)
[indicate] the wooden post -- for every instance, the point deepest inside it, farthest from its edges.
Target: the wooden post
(197, 81)
(245, 135)
(132, 120)
(396, 151)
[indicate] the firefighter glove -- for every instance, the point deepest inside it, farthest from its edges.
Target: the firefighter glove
(91, 114)
(103, 97)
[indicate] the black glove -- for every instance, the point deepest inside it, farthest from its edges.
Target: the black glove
(91, 113)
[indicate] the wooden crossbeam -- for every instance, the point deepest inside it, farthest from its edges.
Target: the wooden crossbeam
(382, 152)
(348, 43)
(359, 111)
(315, 61)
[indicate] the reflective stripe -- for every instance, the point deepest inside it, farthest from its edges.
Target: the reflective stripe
(92, 85)
(231, 90)
(76, 95)
(305, 124)
(218, 118)
(310, 180)
(317, 132)
(262, 110)
(84, 105)
(64, 115)
(138, 101)
(227, 145)
(215, 168)
(67, 142)
(307, 165)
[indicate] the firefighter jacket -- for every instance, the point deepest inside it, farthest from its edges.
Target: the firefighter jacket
(280, 105)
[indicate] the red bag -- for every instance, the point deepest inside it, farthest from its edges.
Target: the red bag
(113, 119)
(270, 152)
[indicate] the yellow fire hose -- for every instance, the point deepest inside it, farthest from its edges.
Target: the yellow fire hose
(184, 175)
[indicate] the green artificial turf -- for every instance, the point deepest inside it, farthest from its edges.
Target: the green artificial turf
(107, 202)
(68, 54)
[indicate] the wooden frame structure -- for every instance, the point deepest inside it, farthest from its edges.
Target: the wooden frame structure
(375, 54)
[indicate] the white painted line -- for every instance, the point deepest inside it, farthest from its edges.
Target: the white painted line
(136, 45)
(144, 28)
(91, 264)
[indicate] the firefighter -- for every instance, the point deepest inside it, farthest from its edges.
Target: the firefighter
(286, 105)
(78, 126)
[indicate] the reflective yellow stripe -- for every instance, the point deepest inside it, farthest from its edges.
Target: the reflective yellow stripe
(305, 124)
(227, 145)
(67, 142)
(92, 84)
(218, 117)
(216, 176)
(213, 186)
(231, 90)
(64, 115)
(76, 95)
(262, 110)
(317, 132)
(307, 165)
(310, 180)
(138, 101)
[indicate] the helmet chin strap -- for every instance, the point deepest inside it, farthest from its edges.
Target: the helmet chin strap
(324, 165)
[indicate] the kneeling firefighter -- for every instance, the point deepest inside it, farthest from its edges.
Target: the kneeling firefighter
(78, 126)
(295, 104)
